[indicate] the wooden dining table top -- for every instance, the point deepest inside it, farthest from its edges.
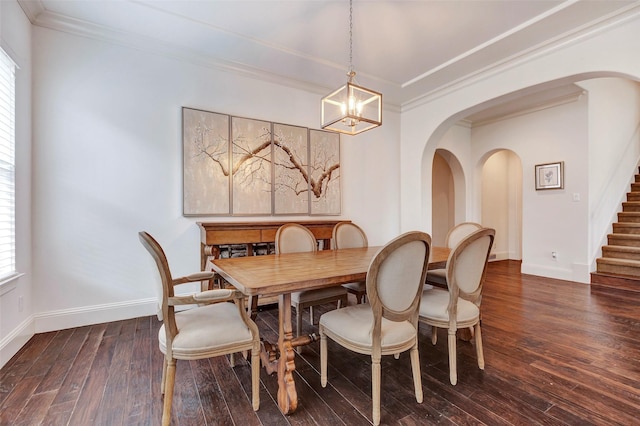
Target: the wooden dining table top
(289, 272)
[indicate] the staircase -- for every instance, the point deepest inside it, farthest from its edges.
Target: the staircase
(619, 265)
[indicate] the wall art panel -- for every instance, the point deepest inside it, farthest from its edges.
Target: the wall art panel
(236, 166)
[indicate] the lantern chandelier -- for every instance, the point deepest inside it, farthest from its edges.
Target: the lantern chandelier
(351, 109)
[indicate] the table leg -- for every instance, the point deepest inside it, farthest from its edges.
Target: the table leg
(287, 395)
(253, 307)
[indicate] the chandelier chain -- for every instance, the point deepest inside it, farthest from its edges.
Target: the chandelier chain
(350, 36)
(351, 109)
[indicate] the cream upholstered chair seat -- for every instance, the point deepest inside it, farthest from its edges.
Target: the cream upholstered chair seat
(352, 329)
(436, 302)
(214, 323)
(350, 235)
(209, 330)
(388, 323)
(459, 306)
(315, 295)
(454, 236)
(295, 238)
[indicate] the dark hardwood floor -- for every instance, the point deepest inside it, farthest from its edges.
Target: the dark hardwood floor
(556, 353)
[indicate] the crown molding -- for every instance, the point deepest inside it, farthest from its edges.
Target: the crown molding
(586, 31)
(561, 100)
(32, 8)
(491, 42)
(86, 29)
(39, 16)
(81, 28)
(465, 123)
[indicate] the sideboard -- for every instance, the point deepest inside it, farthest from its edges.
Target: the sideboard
(230, 239)
(218, 238)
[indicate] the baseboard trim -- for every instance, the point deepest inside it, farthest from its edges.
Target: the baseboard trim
(70, 318)
(96, 314)
(14, 341)
(578, 273)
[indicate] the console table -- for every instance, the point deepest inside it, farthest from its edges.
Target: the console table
(217, 238)
(214, 236)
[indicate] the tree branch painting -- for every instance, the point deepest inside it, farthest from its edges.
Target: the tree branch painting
(205, 163)
(324, 151)
(251, 159)
(242, 166)
(291, 169)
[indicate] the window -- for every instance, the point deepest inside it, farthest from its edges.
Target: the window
(7, 167)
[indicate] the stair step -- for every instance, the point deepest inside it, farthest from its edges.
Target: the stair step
(618, 270)
(624, 240)
(631, 206)
(629, 217)
(626, 267)
(621, 252)
(615, 283)
(633, 196)
(626, 228)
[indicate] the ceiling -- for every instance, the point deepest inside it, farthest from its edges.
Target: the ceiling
(405, 49)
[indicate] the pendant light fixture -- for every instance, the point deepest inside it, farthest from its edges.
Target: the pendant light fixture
(351, 109)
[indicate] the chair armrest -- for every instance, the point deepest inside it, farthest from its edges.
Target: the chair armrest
(217, 295)
(209, 296)
(198, 276)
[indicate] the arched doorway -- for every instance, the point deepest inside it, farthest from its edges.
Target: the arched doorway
(501, 202)
(448, 193)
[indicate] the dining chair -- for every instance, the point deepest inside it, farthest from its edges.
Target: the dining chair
(350, 235)
(293, 238)
(459, 306)
(212, 327)
(456, 234)
(388, 323)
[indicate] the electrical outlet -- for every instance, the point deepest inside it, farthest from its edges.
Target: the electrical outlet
(20, 303)
(554, 255)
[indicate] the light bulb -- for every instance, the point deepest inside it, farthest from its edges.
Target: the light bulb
(352, 104)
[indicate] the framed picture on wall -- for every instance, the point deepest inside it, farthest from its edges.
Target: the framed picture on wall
(550, 176)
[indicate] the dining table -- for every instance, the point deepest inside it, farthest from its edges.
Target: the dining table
(282, 274)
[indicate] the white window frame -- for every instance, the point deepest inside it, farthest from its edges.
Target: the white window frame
(7, 169)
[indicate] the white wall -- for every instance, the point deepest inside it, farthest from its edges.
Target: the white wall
(107, 164)
(16, 309)
(614, 149)
(608, 52)
(371, 180)
(551, 220)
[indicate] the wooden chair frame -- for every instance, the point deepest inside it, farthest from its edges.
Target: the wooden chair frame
(385, 307)
(283, 247)
(358, 289)
(203, 300)
(454, 236)
(456, 290)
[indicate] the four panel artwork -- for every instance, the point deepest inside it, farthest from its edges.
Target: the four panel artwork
(243, 167)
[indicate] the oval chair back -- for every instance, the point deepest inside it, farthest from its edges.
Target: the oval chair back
(348, 235)
(295, 238)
